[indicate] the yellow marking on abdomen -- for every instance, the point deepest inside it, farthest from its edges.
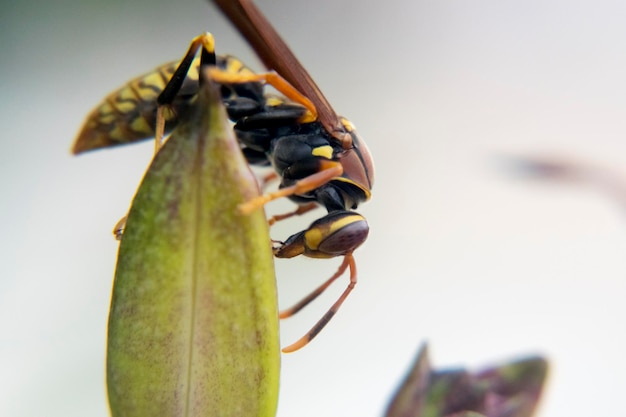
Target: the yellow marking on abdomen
(125, 100)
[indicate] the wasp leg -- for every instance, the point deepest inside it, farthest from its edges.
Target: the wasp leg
(316, 293)
(268, 178)
(328, 170)
(297, 212)
(118, 229)
(273, 79)
(348, 261)
(167, 96)
(338, 233)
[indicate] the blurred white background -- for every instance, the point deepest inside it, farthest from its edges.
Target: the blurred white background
(483, 264)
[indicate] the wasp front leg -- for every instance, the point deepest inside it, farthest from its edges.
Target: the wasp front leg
(302, 209)
(338, 233)
(328, 170)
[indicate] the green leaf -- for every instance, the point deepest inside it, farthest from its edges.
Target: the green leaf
(193, 326)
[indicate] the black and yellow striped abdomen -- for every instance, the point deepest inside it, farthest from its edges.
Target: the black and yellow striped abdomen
(129, 114)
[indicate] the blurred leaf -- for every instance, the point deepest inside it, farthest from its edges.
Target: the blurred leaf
(544, 168)
(510, 390)
(410, 398)
(513, 389)
(193, 326)
(569, 171)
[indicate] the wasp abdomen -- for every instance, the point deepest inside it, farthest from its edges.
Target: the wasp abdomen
(129, 114)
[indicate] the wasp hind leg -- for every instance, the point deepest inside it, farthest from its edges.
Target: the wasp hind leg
(348, 262)
(204, 42)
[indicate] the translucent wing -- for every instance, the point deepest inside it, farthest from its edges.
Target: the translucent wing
(276, 55)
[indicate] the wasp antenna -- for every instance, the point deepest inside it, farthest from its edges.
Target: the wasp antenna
(304, 340)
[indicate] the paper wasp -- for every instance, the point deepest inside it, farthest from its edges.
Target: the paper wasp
(318, 155)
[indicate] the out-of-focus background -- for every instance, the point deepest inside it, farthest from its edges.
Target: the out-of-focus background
(467, 250)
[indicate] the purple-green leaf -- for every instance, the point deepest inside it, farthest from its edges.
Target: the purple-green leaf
(193, 326)
(510, 390)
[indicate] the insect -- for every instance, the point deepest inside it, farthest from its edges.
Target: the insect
(318, 155)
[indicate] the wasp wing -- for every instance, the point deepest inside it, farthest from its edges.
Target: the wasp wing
(276, 55)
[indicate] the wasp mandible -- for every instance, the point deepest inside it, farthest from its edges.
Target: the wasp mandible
(318, 155)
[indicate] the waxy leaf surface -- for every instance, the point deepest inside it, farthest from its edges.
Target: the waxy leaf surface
(193, 326)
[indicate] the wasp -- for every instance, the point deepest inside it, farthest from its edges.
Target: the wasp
(318, 155)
